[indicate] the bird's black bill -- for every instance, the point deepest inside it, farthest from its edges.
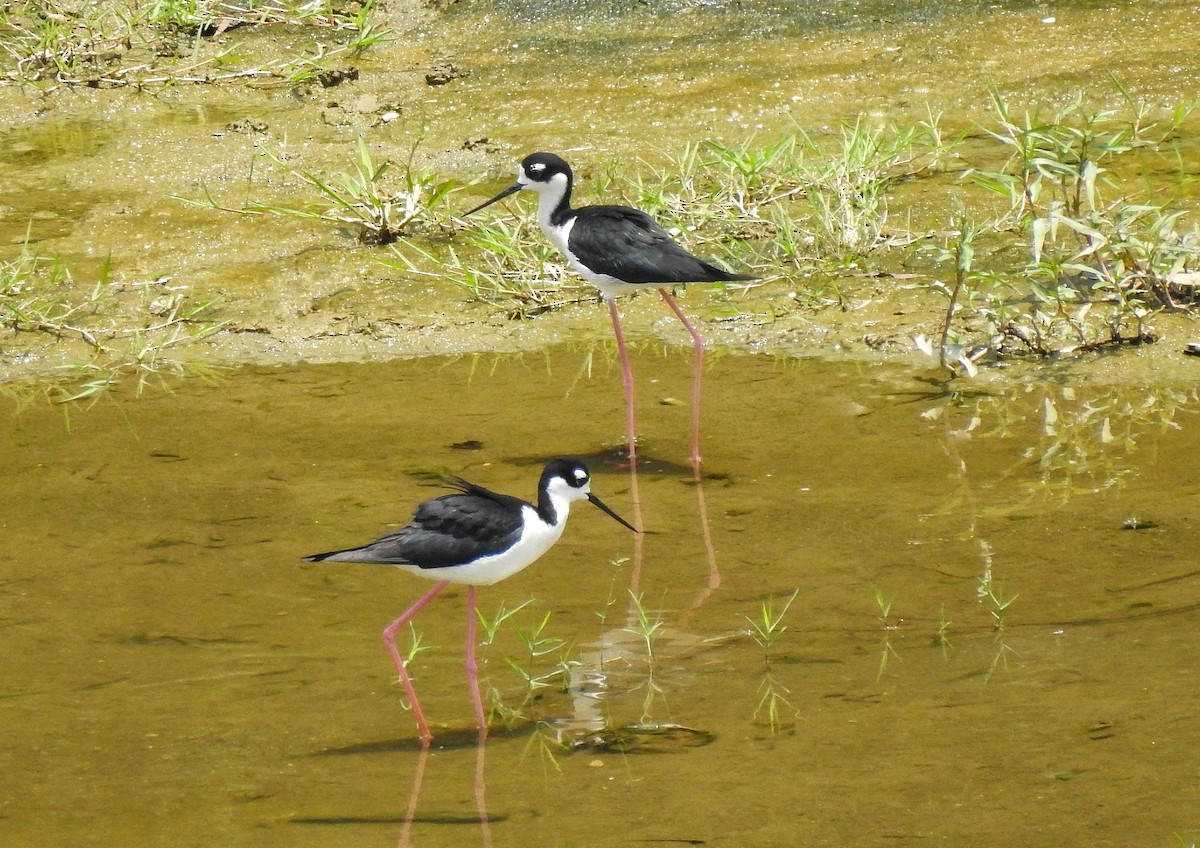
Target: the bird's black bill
(599, 503)
(512, 189)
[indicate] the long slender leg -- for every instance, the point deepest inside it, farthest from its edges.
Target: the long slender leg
(470, 665)
(389, 642)
(626, 379)
(697, 374)
(635, 575)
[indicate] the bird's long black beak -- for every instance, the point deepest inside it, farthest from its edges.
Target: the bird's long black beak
(603, 506)
(512, 189)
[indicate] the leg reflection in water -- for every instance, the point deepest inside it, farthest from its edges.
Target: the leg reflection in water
(480, 788)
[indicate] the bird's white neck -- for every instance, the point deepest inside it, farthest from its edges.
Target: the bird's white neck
(547, 202)
(554, 206)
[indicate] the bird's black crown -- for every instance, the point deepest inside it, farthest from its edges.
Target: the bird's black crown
(573, 471)
(540, 167)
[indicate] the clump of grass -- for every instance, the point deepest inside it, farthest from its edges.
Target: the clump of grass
(884, 605)
(34, 297)
(111, 331)
(644, 625)
(539, 645)
(124, 42)
(993, 592)
(378, 213)
(499, 263)
(847, 184)
(768, 626)
(1101, 254)
(415, 649)
(808, 202)
(990, 589)
(490, 629)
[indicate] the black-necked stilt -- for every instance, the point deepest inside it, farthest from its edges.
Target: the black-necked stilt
(617, 249)
(476, 537)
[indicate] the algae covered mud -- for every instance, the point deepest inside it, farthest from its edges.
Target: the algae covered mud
(185, 206)
(941, 617)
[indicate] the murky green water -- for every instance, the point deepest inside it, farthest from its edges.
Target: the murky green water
(172, 674)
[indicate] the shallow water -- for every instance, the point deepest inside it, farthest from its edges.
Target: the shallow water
(174, 675)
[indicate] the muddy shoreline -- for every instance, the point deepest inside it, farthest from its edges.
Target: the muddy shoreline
(95, 171)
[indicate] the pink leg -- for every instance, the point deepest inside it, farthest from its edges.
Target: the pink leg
(389, 642)
(631, 435)
(697, 374)
(626, 379)
(472, 668)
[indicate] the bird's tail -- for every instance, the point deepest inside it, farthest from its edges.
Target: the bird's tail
(347, 555)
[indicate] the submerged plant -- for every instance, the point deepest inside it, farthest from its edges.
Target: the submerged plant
(766, 629)
(772, 703)
(768, 626)
(942, 639)
(647, 628)
(538, 648)
(884, 605)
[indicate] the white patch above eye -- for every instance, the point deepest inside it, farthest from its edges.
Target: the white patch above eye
(580, 474)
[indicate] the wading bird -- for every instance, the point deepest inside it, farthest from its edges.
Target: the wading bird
(617, 249)
(476, 537)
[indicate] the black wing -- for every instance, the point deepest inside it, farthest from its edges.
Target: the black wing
(629, 245)
(446, 531)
